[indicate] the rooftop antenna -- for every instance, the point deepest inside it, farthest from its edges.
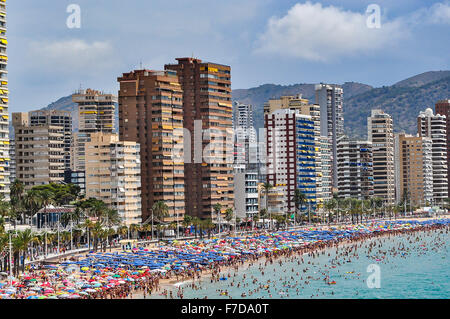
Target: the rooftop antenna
(141, 64)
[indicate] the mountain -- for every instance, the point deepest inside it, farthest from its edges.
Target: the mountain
(258, 96)
(424, 78)
(403, 103)
(65, 104)
(403, 100)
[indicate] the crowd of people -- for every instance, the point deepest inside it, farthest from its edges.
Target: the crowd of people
(137, 280)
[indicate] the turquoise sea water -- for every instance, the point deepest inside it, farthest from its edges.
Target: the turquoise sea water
(414, 266)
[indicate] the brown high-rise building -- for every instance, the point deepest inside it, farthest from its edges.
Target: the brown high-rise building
(151, 114)
(414, 165)
(443, 108)
(207, 98)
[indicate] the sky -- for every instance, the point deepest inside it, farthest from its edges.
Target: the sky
(264, 41)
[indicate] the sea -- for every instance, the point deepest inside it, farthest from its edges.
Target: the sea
(407, 266)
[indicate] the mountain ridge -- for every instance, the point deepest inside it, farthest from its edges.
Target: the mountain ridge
(403, 100)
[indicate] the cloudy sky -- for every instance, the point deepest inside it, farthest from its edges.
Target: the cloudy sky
(264, 41)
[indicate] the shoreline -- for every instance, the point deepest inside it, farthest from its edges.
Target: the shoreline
(263, 246)
(214, 274)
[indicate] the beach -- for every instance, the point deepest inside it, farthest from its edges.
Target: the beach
(166, 270)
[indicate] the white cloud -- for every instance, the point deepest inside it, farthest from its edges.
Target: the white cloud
(313, 32)
(439, 13)
(73, 55)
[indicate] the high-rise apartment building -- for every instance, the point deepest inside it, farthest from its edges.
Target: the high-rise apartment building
(113, 174)
(12, 162)
(381, 134)
(56, 118)
(355, 174)
(4, 118)
(207, 108)
(326, 168)
(95, 114)
(246, 150)
(297, 102)
(291, 156)
(330, 98)
(443, 108)
(414, 169)
(435, 127)
(151, 114)
(39, 151)
(246, 165)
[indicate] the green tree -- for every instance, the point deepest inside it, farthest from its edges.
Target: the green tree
(300, 199)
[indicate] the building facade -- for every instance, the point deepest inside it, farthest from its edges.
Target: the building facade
(113, 175)
(330, 97)
(4, 102)
(56, 118)
(95, 114)
(246, 194)
(39, 152)
(207, 109)
(355, 174)
(443, 108)
(381, 134)
(435, 127)
(323, 170)
(414, 183)
(151, 114)
(291, 156)
(246, 147)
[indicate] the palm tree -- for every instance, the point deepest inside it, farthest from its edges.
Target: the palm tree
(97, 231)
(267, 187)
(23, 240)
(5, 208)
(32, 202)
(263, 214)
(217, 209)
(88, 225)
(122, 231)
(209, 225)
(229, 214)
(330, 205)
(187, 221)
(196, 223)
(16, 194)
(300, 200)
(160, 210)
(134, 229)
